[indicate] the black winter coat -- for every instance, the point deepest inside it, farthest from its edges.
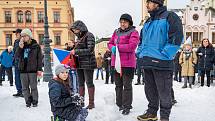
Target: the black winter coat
(33, 63)
(107, 60)
(177, 66)
(84, 48)
(206, 58)
(61, 102)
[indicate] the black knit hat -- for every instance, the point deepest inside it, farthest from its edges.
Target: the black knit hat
(127, 17)
(160, 2)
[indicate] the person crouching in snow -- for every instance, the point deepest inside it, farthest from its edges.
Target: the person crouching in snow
(65, 105)
(187, 60)
(125, 39)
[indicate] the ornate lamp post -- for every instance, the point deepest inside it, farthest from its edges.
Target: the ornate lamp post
(47, 75)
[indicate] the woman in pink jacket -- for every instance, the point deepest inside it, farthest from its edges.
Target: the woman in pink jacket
(125, 39)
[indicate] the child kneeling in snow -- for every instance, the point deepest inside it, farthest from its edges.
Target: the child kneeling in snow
(65, 105)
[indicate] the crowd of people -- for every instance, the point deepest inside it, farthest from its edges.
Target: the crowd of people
(154, 54)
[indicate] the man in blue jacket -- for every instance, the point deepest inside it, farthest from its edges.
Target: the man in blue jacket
(161, 37)
(6, 60)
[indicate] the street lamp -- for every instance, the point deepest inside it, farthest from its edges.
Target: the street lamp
(47, 75)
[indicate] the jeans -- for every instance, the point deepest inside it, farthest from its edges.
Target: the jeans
(18, 80)
(97, 74)
(74, 81)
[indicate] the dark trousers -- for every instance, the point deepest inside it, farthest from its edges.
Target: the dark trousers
(177, 75)
(172, 94)
(139, 73)
(18, 80)
(107, 71)
(158, 86)
(2, 70)
(203, 72)
(9, 73)
(124, 93)
(29, 85)
(85, 75)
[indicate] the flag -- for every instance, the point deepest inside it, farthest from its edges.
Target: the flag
(118, 62)
(60, 57)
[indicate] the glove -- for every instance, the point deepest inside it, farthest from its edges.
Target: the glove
(77, 99)
(113, 50)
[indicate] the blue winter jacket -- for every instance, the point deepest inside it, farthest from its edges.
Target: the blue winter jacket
(160, 39)
(6, 59)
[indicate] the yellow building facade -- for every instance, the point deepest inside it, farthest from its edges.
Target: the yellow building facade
(30, 14)
(101, 46)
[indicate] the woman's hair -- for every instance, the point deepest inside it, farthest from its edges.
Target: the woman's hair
(64, 82)
(209, 44)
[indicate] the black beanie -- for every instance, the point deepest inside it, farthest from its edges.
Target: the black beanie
(127, 17)
(160, 2)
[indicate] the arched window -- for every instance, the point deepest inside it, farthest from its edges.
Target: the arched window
(28, 16)
(20, 17)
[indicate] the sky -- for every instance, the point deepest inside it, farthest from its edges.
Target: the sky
(102, 16)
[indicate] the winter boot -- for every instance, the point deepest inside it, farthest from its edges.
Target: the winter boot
(29, 101)
(34, 103)
(164, 120)
(185, 86)
(91, 92)
(138, 83)
(18, 94)
(174, 102)
(190, 86)
(126, 111)
(82, 93)
(147, 117)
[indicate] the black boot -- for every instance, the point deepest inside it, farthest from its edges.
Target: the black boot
(18, 94)
(29, 101)
(126, 111)
(34, 103)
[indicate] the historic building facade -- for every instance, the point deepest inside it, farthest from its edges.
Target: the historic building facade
(30, 14)
(198, 19)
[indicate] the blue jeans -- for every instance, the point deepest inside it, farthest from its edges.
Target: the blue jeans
(74, 81)
(97, 74)
(18, 80)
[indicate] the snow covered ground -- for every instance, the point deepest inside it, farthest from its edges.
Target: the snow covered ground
(197, 104)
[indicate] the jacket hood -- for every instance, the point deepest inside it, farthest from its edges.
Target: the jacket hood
(79, 25)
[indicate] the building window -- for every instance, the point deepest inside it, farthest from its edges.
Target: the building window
(57, 39)
(8, 39)
(56, 17)
(40, 16)
(188, 34)
(7, 16)
(41, 37)
(200, 36)
(20, 17)
(28, 16)
(195, 36)
(213, 37)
